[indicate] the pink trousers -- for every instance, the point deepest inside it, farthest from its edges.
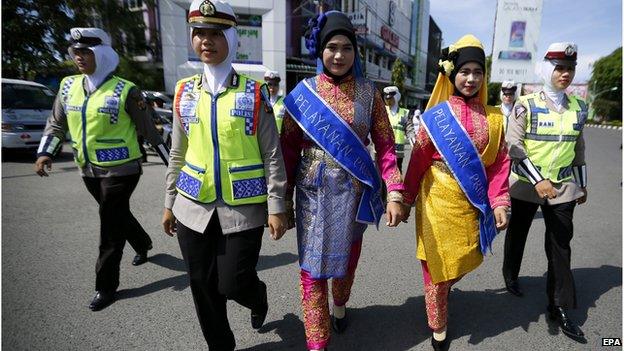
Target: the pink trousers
(314, 300)
(436, 299)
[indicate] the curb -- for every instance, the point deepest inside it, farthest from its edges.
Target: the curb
(603, 126)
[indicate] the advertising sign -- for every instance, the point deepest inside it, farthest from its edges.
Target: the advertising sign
(516, 35)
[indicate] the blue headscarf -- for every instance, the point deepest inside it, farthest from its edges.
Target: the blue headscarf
(317, 35)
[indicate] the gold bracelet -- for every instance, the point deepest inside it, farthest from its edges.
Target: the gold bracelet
(395, 196)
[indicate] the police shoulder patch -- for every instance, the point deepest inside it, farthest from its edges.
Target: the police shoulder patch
(520, 111)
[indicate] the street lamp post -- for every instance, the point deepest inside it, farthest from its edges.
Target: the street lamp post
(594, 96)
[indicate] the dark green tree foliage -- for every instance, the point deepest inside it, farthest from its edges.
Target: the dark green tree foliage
(606, 74)
(31, 33)
(398, 75)
(35, 36)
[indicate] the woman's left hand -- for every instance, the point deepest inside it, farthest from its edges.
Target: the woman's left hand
(500, 214)
(394, 214)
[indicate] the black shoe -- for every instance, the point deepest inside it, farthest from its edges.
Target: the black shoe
(340, 324)
(440, 345)
(101, 300)
(258, 316)
(513, 287)
(571, 330)
(141, 257)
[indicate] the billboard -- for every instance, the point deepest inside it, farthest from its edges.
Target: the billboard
(516, 33)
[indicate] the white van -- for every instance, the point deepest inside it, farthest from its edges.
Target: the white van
(25, 108)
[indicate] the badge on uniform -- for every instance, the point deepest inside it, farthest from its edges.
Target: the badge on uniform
(111, 107)
(111, 102)
(188, 105)
(244, 101)
(243, 105)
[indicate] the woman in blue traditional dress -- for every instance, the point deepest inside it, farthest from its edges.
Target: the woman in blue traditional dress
(329, 118)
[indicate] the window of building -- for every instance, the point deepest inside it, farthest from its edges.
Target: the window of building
(133, 4)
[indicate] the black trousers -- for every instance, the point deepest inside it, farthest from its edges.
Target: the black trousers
(559, 230)
(220, 268)
(117, 224)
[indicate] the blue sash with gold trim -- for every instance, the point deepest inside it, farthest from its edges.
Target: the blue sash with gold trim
(325, 127)
(462, 158)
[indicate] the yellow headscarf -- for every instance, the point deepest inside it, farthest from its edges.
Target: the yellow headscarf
(444, 87)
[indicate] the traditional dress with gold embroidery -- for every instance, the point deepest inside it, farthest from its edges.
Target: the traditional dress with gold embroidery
(328, 235)
(447, 224)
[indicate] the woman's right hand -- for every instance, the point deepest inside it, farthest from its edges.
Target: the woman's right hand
(545, 190)
(169, 222)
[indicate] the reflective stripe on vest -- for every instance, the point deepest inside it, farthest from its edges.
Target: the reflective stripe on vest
(397, 127)
(102, 131)
(550, 136)
(223, 159)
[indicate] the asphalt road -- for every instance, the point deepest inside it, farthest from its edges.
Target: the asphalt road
(49, 246)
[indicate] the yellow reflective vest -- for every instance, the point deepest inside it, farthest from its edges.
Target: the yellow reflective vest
(550, 136)
(102, 131)
(278, 112)
(223, 159)
(397, 126)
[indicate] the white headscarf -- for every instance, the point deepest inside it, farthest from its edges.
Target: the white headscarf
(395, 105)
(215, 75)
(106, 61)
(545, 70)
(397, 97)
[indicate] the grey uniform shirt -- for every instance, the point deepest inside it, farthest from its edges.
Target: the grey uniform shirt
(196, 215)
(566, 191)
(139, 113)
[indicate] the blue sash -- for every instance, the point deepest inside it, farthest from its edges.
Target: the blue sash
(462, 158)
(325, 127)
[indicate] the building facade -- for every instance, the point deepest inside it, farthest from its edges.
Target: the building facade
(433, 54)
(386, 31)
(272, 36)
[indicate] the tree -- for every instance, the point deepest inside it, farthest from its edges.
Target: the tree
(35, 33)
(606, 74)
(493, 88)
(398, 74)
(31, 32)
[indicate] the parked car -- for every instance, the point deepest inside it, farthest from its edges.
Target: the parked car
(164, 124)
(25, 108)
(161, 99)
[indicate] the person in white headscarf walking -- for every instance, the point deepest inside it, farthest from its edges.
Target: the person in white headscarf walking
(272, 79)
(103, 114)
(545, 138)
(226, 170)
(508, 97)
(399, 119)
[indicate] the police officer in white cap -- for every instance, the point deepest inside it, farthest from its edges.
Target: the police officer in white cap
(226, 172)
(399, 119)
(508, 96)
(545, 138)
(103, 114)
(272, 79)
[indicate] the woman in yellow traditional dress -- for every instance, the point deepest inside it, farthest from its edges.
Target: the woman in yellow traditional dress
(458, 174)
